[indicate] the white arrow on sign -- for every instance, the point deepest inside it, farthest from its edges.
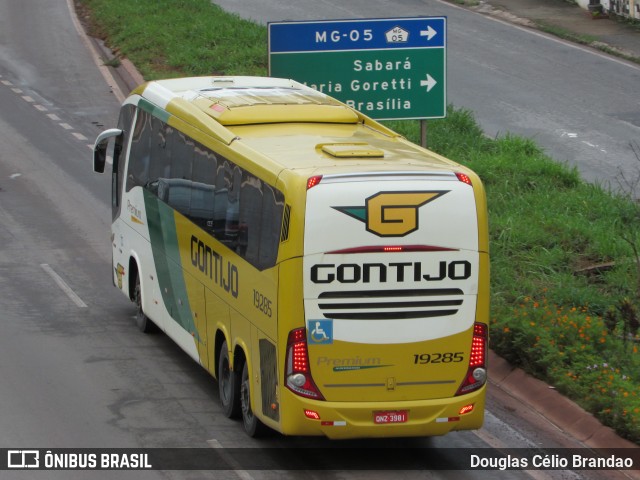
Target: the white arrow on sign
(429, 33)
(430, 82)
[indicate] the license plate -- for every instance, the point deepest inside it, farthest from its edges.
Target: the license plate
(394, 416)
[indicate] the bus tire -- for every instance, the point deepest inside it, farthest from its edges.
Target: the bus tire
(228, 385)
(254, 427)
(144, 323)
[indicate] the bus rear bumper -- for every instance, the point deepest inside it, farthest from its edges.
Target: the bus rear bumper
(419, 418)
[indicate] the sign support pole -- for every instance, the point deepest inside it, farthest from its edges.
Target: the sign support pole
(423, 133)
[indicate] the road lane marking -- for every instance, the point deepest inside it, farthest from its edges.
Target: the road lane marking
(79, 136)
(51, 116)
(237, 469)
(63, 285)
(42, 108)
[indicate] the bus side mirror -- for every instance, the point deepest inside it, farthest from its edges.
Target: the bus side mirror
(100, 148)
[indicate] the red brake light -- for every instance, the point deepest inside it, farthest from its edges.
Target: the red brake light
(300, 357)
(463, 177)
(313, 181)
(394, 248)
(478, 346)
(476, 375)
(297, 369)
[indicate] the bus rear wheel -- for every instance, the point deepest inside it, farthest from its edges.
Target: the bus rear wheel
(228, 385)
(254, 427)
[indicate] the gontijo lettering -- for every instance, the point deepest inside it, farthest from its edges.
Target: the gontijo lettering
(212, 264)
(392, 272)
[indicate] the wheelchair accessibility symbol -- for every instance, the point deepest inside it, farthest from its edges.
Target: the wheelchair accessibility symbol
(320, 332)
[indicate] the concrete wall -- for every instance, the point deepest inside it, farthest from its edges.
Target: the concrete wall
(624, 8)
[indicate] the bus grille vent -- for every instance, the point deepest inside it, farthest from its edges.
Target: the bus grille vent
(390, 304)
(284, 234)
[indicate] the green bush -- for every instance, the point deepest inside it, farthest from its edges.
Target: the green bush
(596, 365)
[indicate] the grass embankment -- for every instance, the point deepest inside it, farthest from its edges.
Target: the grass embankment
(565, 265)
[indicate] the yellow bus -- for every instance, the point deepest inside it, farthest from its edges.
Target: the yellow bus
(331, 275)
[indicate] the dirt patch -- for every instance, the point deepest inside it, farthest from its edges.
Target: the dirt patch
(497, 12)
(86, 19)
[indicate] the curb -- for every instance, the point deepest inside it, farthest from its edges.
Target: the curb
(129, 74)
(126, 74)
(559, 410)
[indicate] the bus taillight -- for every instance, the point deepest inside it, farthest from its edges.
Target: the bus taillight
(298, 373)
(463, 177)
(476, 375)
(313, 181)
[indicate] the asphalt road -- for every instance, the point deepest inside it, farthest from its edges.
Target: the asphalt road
(74, 370)
(579, 105)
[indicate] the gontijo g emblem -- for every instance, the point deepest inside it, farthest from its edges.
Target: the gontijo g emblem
(392, 214)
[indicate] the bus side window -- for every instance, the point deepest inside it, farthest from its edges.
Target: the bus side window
(233, 180)
(259, 222)
(160, 156)
(181, 151)
(203, 195)
(249, 218)
(174, 160)
(171, 193)
(139, 158)
(125, 123)
(219, 201)
(271, 222)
